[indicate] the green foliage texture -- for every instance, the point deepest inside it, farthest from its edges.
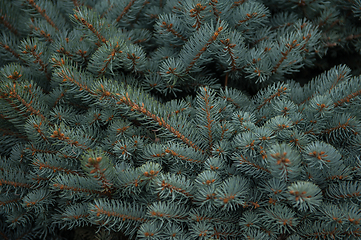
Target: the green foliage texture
(180, 119)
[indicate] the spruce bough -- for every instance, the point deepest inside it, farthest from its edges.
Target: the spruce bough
(131, 117)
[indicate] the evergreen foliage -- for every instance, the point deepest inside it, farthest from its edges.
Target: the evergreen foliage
(132, 117)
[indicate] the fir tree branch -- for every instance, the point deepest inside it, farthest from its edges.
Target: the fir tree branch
(204, 48)
(42, 13)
